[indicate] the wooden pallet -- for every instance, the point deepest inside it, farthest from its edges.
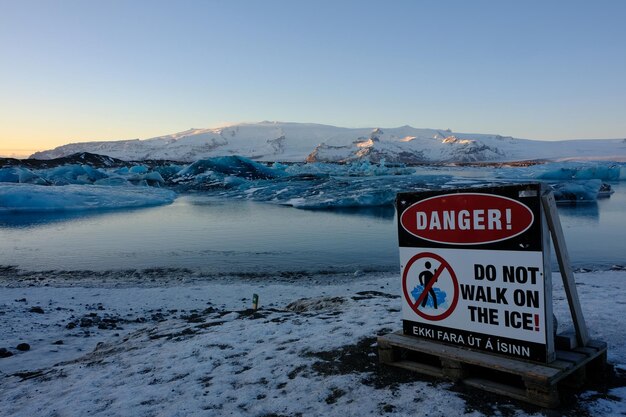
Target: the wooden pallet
(530, 382)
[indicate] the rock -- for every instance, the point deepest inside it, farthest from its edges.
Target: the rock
(4, 353)
(37, 310)
(23, 347)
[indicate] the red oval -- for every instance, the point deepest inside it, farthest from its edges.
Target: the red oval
(467, 218)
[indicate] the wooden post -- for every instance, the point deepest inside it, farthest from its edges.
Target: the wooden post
(549, 207)
(547, 289)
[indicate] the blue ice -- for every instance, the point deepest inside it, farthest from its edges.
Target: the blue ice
(33, 198)
(20, 175)
(576, 192)
(440, 295)
(322, 185)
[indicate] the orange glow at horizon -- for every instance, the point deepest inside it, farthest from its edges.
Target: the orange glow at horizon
(17, 153)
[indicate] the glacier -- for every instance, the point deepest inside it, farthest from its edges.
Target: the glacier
(307, 142)
(314, 185)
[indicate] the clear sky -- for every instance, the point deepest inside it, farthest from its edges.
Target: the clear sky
(102, 70)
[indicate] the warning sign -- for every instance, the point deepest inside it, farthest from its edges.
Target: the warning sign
(473, 269)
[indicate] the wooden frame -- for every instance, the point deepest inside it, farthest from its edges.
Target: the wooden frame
(570, 356)
(565, 268)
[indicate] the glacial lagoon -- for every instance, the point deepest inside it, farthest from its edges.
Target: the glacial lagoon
(215, 235)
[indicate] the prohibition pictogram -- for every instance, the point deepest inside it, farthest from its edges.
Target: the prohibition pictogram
(443, 266)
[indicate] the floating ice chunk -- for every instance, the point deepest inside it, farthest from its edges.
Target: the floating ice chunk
(148, 178)
(20, 175)
(167, 172)
(72, 174)
(32, 198)
(580, 171)
(138, 169)
(113, 181)
(10, 174)
(605, 190)
(577, 192)
(364, 168)
(324, 191)
(372, 199)
(232, 166)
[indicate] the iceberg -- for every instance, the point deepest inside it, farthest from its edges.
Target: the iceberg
(72, 174)
(357, 169)
(311, 185)
(576, 192)
(167, 172)
(327, 191)
(581, 171)
(237, 166)
(37, 198)
(566, 171)
(20, 175)
(113, 182)
(153, 179)
(138, 169)
(320, 185)
(223, 172)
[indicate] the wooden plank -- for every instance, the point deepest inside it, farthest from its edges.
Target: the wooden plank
(596, 344)
(540, 382)
(562, 365)
(576, 379)
(575, 358)
(586, 351)
(582, 359)
(547, 288)
(497, 388)
(539, 372)
(452, 369)
(549, 206)
(419, 367)
(545, 396)
(566, 341)
(385, 354)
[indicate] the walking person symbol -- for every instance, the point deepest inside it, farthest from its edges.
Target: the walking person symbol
(425, 277)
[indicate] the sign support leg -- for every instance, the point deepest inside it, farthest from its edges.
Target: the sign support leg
(549, 206)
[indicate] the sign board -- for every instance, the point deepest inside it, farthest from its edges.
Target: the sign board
(475, 269)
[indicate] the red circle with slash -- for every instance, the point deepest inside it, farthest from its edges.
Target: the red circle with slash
(444, 265)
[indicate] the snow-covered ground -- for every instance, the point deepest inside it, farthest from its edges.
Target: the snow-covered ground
(160, 348)
(297, 142)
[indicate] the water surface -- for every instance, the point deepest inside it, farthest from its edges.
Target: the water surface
(217, 236)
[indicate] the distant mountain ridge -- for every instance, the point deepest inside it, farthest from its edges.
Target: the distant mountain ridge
(299, 142)
(80, 158)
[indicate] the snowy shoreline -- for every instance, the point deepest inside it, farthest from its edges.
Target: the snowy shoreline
(195, 348)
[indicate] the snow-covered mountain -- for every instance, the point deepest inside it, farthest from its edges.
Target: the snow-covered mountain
(298, 142)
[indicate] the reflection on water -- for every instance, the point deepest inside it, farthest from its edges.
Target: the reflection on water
(380, 212)
(589, 213)
(596, 233)
(229, 236)
(31, 219)
(211, 235)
